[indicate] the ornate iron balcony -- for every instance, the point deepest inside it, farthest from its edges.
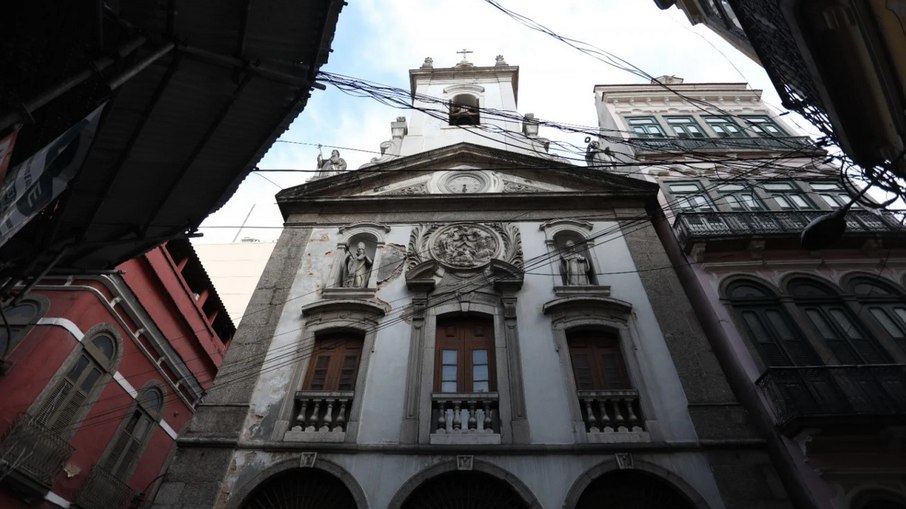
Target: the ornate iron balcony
(103, 490)
(836, 396)
(32, 455)
(644, 146)
(692, 227)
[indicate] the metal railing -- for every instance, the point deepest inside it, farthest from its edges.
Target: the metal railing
(322, 411)
(822, 393)
(614, 411)
(33, 450)
(463, 413)
(103, 490)
(696, 226)
(742, 144)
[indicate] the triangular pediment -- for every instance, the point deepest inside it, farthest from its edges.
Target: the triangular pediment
(463, 169)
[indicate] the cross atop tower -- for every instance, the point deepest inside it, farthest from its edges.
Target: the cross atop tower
(464, 52)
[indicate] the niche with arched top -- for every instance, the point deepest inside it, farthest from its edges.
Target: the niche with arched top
(576, 267)
(464, 110)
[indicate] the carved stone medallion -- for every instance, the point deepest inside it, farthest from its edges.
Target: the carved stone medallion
(465, 246)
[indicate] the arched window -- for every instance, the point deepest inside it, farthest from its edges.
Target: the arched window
(67, 400)
(464, 110)
(885, 303)
(19, 319)
(778, 341)
(840, 330)
(134, 432)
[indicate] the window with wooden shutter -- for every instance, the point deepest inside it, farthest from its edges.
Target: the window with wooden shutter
(334, 363)
(465, 356)
(64, 404)
(597, 361)
(136, 429)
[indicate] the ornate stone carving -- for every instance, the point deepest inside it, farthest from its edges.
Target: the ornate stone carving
(464, 245)
(464, 462)
(307, 459)
(515, 187)
(420, 188)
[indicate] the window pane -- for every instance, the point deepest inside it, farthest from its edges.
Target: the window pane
(821, 324)
(778, 186)
(782, 202)
(843, 321)
(684, 188)
(90, 379)
(449, 374)
(104, 343)
(76, 371)
(480, 387)
(479, 373)
(799, 201)
(449, 356)
(479, 356)
(448, 387)
(889, 325)
(901, 313)
(22, 312)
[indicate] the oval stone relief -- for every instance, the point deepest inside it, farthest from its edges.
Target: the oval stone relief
(465, 245)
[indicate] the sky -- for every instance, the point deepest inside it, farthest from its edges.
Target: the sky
(381, 40)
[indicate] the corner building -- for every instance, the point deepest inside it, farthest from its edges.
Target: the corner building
(468, 321)
(812, 341)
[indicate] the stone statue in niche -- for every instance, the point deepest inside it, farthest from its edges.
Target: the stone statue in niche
(332, 166)
(356, 268)
(574, 265)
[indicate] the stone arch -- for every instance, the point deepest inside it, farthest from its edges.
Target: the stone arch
(647, 471)
(735, 279)
(247, 488)
(447, 467)
(875, 497)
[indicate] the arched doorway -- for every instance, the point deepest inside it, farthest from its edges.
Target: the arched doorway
(464, 490)
(625, 489)
(301, 488)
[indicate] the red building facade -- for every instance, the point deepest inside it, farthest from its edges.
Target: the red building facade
(100, 373)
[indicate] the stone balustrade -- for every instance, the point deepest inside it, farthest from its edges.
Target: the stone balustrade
(322, 411)
(611, 411)
(465, 413)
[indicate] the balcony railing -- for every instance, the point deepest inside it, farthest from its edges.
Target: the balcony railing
(34, 451)
(611, 411)
(825, 396)
(103, 490)
(322, 411)
(465, 413)
(691, 227)
(681, 145)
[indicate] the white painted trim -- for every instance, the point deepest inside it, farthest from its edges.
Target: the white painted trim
(170, 431)
(120, 379)
(53, 498)
(66, 324)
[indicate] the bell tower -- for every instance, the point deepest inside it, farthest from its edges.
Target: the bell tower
(465, 103)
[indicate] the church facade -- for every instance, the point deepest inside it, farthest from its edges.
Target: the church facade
(468, 321)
